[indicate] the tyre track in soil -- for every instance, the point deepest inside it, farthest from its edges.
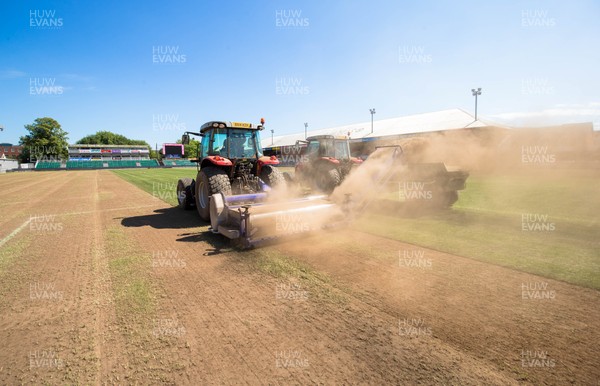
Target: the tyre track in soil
(108, 347)
(477, 308)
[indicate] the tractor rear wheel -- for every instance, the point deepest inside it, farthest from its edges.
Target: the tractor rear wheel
(328, 178)
(185, 193)
(272, 176)
(210, 180)
(450, 198)
(442, 200)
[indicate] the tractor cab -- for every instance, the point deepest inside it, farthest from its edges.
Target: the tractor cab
(231, 140)
(329, 146)
(230, 161)
(326, 161)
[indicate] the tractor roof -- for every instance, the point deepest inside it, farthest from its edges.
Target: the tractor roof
(227, 124)
(317, 137)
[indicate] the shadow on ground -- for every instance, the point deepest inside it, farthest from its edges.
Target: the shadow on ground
(175, 218)
(165, 218)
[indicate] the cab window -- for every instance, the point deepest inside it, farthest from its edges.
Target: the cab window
(234, 143)
(312, 149)
(341, 150)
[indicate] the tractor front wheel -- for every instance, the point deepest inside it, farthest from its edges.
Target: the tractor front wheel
(185, 193)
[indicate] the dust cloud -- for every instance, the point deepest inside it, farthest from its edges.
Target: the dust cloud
(547, 154)
(371, 179)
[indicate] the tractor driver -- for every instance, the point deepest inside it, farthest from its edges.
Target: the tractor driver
(237, 143)
(235, 146)
(224, 149)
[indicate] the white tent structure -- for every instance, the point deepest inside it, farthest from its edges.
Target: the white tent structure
(411, 124)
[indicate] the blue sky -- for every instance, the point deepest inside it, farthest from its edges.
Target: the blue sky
(101, 65)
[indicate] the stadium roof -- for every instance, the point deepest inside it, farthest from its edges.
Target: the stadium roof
(418, 123)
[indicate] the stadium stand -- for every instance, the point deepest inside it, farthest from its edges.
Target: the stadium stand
(178, 162)
(103, 157)
(149, 163)
(109, 157)
(47, 165)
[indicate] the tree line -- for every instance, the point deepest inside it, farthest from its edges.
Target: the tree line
(47, 140)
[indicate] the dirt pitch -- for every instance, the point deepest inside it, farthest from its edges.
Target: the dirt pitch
(358, 312)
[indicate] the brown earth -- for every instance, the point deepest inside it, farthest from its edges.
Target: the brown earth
(363, 310)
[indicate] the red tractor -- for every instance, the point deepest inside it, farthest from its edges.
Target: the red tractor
(230, 161)
(325, 162)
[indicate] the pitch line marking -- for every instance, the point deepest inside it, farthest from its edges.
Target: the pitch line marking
(14, 233)
(20, 228)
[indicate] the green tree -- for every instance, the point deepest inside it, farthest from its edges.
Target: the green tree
(109, 138)
(154, 154)
(191, 149)
(46, 141)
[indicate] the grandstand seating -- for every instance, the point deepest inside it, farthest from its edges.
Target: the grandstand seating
(143, 163)
(48, 165)
(178, 162)
(82, 156)
(84, 164)
(148, 163)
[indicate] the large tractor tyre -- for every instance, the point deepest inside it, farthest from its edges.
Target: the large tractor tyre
(450, 198)
(185, 193)
(272, 176)
(210, 180)
(442, 199)
(328, 178)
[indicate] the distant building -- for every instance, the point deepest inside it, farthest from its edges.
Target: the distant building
(108, 152)
(453, 136)
(450, 126)
(10, 151)
(408, 125)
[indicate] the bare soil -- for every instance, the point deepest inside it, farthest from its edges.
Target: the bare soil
(371, 317)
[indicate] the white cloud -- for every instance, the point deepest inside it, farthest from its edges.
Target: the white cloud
(12, 74)
(559, 114)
